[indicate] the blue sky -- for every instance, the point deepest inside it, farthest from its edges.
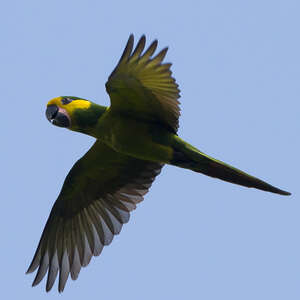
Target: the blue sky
(194, 237)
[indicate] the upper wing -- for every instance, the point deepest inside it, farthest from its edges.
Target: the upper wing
(143, 86)
(96, 198)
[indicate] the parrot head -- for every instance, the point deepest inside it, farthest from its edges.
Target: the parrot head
(60, 110)
(74, 113)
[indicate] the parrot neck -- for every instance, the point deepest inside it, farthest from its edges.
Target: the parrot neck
(86, 119)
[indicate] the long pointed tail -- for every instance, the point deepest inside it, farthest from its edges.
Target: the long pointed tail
(187, 156)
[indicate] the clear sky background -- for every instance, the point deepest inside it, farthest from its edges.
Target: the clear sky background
(194, 237)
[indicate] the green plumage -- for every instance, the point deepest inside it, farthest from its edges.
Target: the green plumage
(135, 137)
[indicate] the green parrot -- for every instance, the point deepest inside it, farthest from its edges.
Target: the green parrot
(135, 137)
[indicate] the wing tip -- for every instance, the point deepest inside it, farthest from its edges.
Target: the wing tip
(143, 37)
(131, 37)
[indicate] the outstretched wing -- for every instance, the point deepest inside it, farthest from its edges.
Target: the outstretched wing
(96, 198)
(142, 86)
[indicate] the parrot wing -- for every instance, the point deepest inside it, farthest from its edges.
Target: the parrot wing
(142, 86)
(96, 198)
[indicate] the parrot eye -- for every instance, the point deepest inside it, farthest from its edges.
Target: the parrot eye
(66, 100)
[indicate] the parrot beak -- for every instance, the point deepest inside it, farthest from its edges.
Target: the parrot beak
(51, 112)
(58, 116)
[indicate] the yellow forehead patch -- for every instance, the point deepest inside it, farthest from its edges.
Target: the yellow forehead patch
(70, 107)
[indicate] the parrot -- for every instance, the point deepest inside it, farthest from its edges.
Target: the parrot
(135, 137)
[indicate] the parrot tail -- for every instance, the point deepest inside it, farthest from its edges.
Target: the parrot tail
(188, 157)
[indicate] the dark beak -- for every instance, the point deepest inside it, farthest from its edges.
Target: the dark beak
(57, 116)
(51, 112)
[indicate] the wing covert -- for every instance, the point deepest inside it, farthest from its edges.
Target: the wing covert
(142, 85)
(95, 201)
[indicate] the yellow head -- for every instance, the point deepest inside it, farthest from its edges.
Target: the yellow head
(60, 110)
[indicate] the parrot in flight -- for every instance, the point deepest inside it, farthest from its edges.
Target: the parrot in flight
(135, 137)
